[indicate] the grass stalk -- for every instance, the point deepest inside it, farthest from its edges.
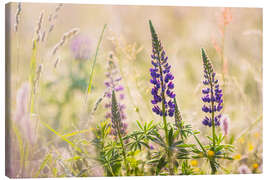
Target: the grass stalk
(94, 62)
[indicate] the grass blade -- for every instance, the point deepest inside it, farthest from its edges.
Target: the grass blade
(62, 137)
(95, 59)
(43, 164)
(33, 64)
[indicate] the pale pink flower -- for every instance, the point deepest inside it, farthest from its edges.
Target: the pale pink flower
(243, 169)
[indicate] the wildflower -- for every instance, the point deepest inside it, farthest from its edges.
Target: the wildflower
(113, 84)
(162, 79)
(225, 124)
(81, 47)
(256, 135)
(210, 153)
(197, 170)
(250, 147)
(255, 166)
(194, 162)
(237, 157)
(212, 94)
(243, 169)
(241, 140)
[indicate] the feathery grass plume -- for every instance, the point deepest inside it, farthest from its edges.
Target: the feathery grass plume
(81, 47)
(38, 74)
(22, 117)
(224, 18)
(32, 75)
(37, 35)
(56, 62)
(113, 83)
(98, 102)
(43, 35)
(53, 17)
(117, 124)
(65, 37)
(18, 15)
(52, 21)
(127, 53)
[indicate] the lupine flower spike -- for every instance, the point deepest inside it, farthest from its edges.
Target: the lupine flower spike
(118, 126)
(162, 91)
(212, 94)
(113, 83)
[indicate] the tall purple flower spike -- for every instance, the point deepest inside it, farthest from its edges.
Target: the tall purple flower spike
(113, 84)
(212, 94)
(162, 79)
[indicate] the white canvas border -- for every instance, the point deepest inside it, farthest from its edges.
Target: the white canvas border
(206, 3)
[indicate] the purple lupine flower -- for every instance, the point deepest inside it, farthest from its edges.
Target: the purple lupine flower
(212, 94)
(113, 84)
(162, 79)
(81, 47)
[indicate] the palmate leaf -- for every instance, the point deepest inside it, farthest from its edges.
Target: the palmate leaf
(161, 164)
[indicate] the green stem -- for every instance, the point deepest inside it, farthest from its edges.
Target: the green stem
(165, 121)
(124, 151)
(212, 159)
(94, 62)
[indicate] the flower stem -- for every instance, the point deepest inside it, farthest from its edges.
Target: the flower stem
(168, 150)
(212, 161)
(124, 151)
